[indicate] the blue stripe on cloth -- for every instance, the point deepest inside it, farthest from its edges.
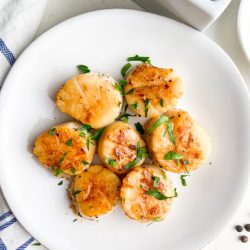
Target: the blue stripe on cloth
(7, 53)
(5, 215)
(25, 244)
(7, 224)
(2, 245)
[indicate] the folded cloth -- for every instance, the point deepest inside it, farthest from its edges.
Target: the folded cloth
(19, 20)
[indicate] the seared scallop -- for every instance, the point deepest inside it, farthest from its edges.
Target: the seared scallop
(151, 91)
(95, 192)
(64, 149)
(120, 147)
(176, 141)
(91, 98)
(147, 194)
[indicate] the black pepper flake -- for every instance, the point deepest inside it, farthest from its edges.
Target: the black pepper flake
(244, 239)
(247, 227)
(239, 228)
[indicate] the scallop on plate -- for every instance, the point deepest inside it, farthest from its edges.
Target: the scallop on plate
(193, 109)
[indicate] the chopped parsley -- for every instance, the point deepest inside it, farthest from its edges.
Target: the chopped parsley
(129, 92)
(146, 107)
(85, 128)
(94, 137)
(111, 162)
(85, 163)
(136, 58)
(83, 68)
(74, 220)
(156, 219)
(36, 244)
(52, 131)
(58, 171)
(69, 142)
(120, 86)
(183, 180)
(159, 196)
(62, 158)
(171, 155)
(125, 116)
(134, 105)
(75, 193)
(156, 180)
(161, 120)
(141, 153)
(162, 102)
(73, 170)
(139, 128)
(60, 183)
(125, 68)
(164, 120)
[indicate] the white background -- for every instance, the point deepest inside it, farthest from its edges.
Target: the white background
(223, 32)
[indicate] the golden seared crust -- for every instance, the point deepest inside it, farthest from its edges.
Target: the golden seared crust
(63, 150)
(119, 143)
(160, 86)
(141, 206)
(192, 142)
(90, 98)
(95, 192)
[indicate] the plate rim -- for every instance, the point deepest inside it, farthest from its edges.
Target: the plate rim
(7, 87)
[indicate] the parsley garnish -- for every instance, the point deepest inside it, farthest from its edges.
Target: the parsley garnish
(120, 86)
(170, 132)
(161, 120)
(85, 163)
(75, 193)
(146, 107)
(83, 68)
(60, 183)
(159, 196)
(171, 155)
(62, 158)
(73, 170)
(144, 59)
(125, 68)
(69, 142)
(94, 137)
(36, 244)
(183, 180)
(156, 180)
(52, 131)
(134, 105)
(74, 220)
(139, 128)
(141, 153)
(124, 117)
(85, 128)
(58, 171)
(156, 219)
(129, 92)
(111, 162)
(161, 102)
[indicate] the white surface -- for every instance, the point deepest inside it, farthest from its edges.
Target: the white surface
(207, 72)
(244, 27)
(197, 13)
(15, 28)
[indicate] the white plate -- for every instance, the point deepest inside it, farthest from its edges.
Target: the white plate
(243, 27)
(214, 93)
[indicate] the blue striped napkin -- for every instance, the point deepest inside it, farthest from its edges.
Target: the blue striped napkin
(15, 34)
